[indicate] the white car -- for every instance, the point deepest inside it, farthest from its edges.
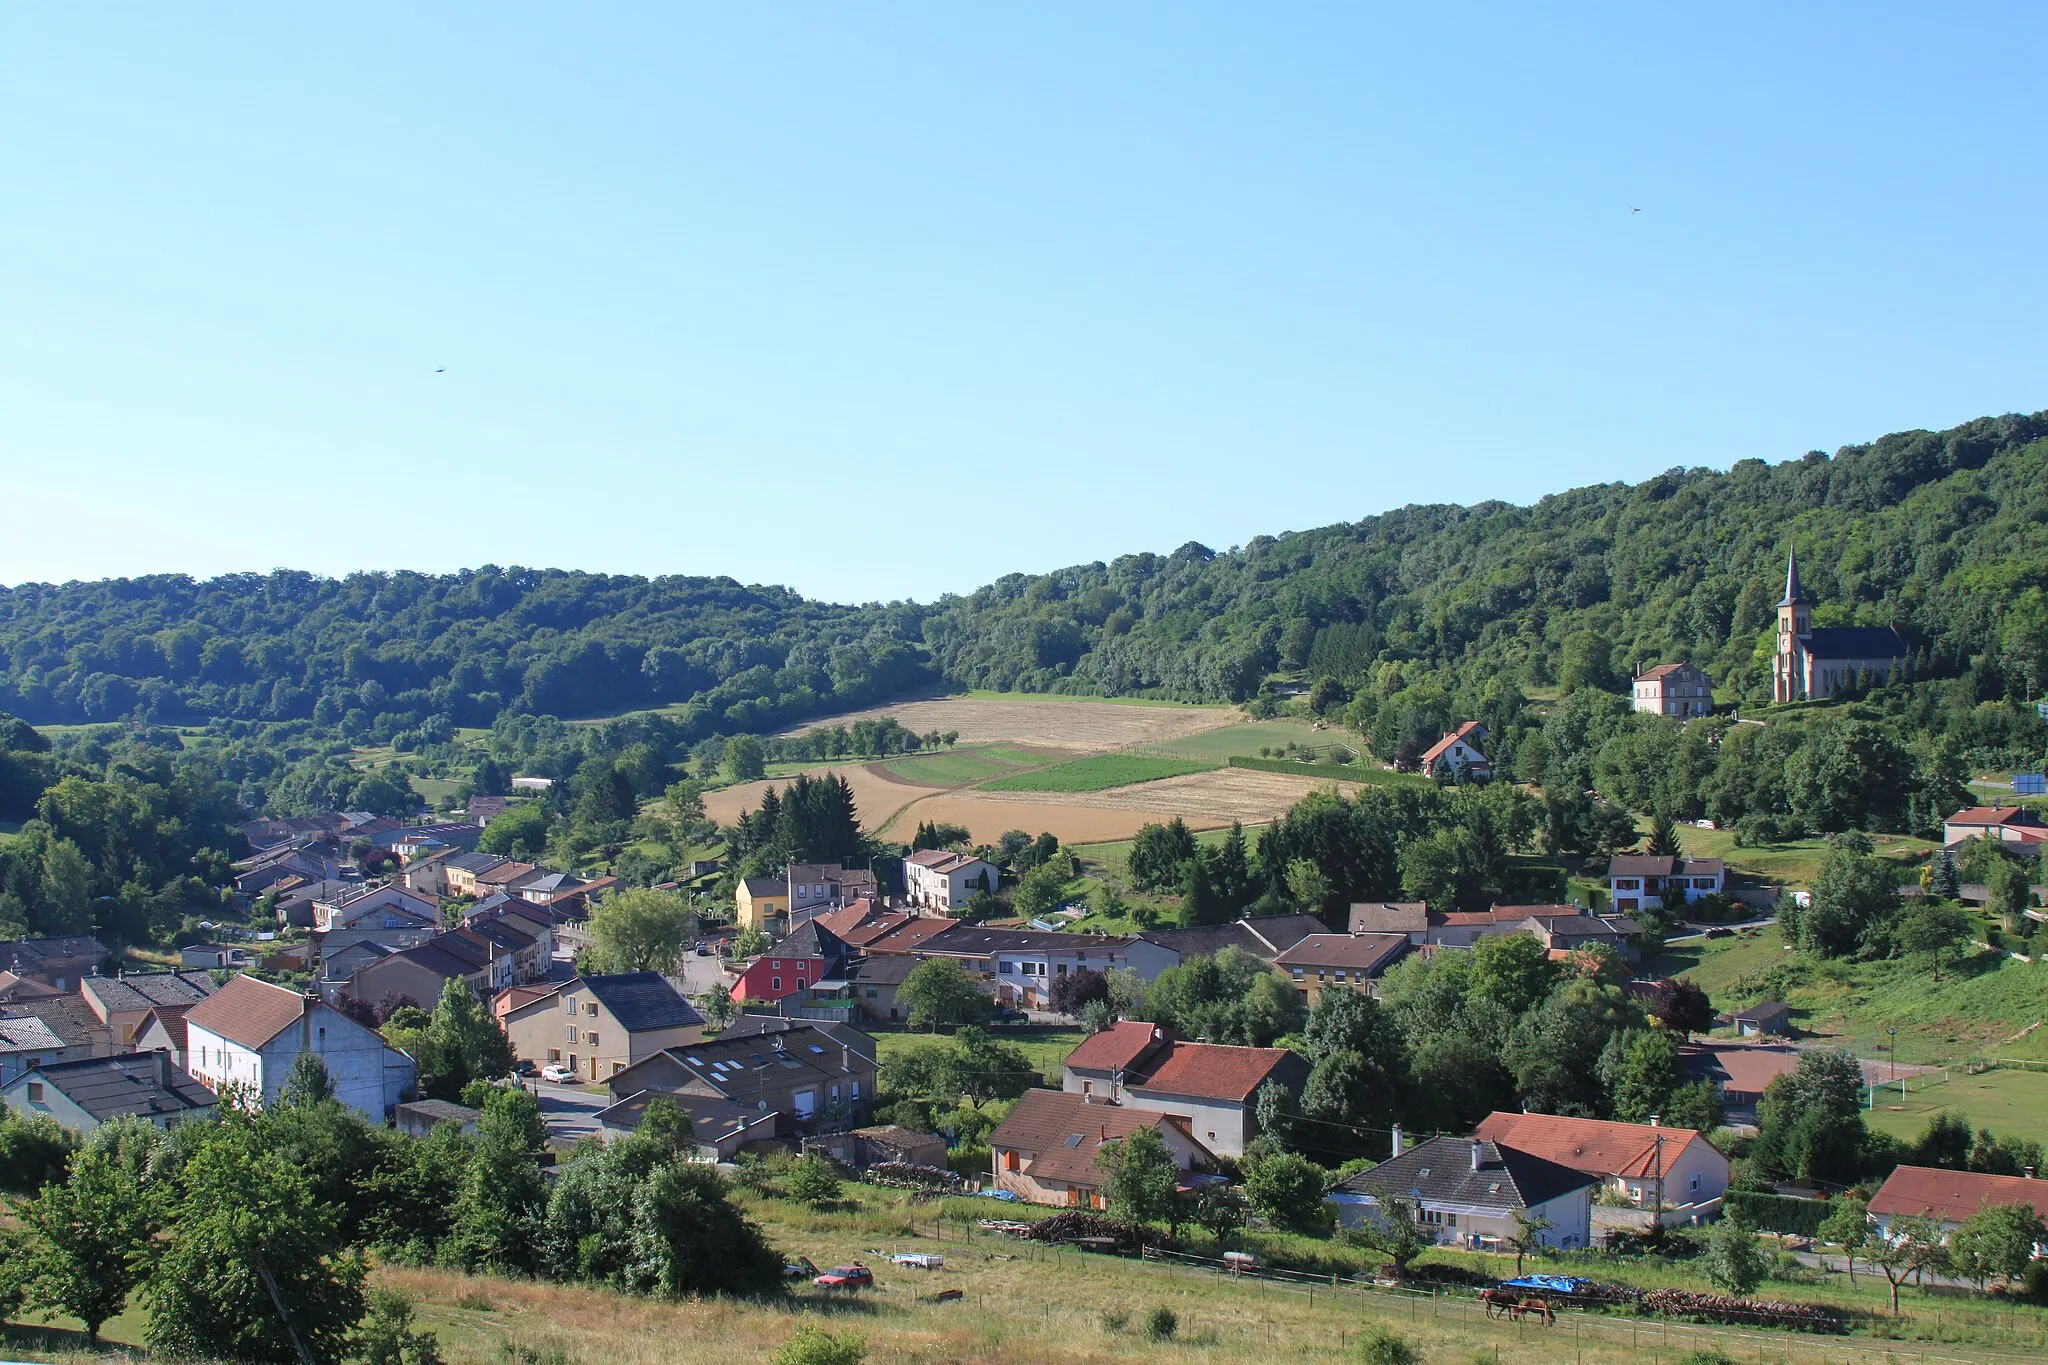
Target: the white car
(556, 1072)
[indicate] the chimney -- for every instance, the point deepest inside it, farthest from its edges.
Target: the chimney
(1478, 1154)
(1656, 1120)
(163, 1068)
(2031, 1175)
(1397, 1139)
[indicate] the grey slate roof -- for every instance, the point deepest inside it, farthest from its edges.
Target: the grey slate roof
(144, 990)
(1854, 642)
(476, 862)
(1262, 936)
(1441, 1171)
(881, 971)
(28, 1035)
(67, 1016)
(642, 1000)
(812, 940)
(108, 1087)
(845, 1035)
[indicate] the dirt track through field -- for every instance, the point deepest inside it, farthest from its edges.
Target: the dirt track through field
(1084, 726)
(1206, 800)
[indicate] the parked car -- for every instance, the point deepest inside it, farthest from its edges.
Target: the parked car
(556, 1072)
(846, 1277)
(1009, 1016)
(799, 1269)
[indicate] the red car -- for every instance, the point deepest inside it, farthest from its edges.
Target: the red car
(846, 1277)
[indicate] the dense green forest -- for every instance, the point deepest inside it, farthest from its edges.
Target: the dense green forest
(1942, 534)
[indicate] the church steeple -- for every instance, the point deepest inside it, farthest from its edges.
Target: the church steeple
(1793, 597)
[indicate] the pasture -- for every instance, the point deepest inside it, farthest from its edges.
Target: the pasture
(1100, 773)
(1246, 739)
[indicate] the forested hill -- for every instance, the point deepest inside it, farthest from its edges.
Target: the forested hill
(1944, 534)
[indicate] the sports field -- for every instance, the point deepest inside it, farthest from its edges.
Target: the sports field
(2008, 1101)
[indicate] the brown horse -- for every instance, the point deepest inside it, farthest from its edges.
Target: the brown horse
(1501, 1301)
(1536, 1306)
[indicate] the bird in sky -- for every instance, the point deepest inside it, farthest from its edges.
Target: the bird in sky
(444, 371)
(1633, 209)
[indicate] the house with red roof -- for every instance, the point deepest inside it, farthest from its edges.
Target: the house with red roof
(1048, 1150)
(1210, 1089)
(1676, 690)
(1645, 1163)
(2018, 826)
(1459, 750)
(1951, 1196)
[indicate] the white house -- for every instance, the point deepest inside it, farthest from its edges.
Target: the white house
(1459, 750)
(249, 1032)
(390, 905)
(1949, 1197)
(1635, 879)
(946, 881)
(81, 1095)
(1467, 1192)
(1676, 690)
(1640, 1162)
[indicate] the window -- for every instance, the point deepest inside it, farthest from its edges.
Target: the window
(591, 1009)
(1296, 971)
(569, 1003)
(776, 965)
(554, 1054)
(1009, 1161)
(1695, 1185)
(1006, 968)
(572, 1033)
(775, 983)
(590, 1038)
(35, 1092)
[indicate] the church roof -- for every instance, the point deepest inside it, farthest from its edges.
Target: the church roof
(1854, 642)
(1792, 594)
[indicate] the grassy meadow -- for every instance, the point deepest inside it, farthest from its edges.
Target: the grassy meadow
(958, 767)
(1099, 773)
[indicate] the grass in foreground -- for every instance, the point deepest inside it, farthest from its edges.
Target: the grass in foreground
(1100, 773)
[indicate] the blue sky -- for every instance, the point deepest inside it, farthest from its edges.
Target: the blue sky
(886, 301)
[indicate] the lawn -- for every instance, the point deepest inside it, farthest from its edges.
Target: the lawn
(1217, 746)
(1046, 1047)
(2008, 1101)
(1792, 864)
(1100, 773)
(958, 767)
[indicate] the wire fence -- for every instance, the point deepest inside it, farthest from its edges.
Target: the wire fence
(1651, 1337)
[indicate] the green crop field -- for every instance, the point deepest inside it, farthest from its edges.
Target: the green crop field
(1098, 774)
(958, 767)
(2008, 1101)
(1217, 746)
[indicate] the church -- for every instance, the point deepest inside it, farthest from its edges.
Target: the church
(1815, 664)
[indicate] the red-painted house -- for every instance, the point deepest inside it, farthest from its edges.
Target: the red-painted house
(791, 966)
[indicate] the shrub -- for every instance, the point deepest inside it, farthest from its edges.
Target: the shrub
(1161, 1323)
(386, 1335)
(1378, 1346)
(1708, 1355)
(815, 1346)
(812, 1181)
(1115, 1320)
(2037, 1282)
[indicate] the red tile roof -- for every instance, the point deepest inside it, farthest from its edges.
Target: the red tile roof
(1464, 732)
(907, 937)
(1059, 1134)
(1211, 1072)
(1990, 816)
(1118, 1047)
(1592, 1146)
(1953, 1196)
(247, 1011)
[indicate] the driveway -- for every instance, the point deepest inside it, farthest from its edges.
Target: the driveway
(569, 1111)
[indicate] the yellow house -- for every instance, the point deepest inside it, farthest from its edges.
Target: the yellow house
(761, 902)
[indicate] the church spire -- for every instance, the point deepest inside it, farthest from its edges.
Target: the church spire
(1792, 594)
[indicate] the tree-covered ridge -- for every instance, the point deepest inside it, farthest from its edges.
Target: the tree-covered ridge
(380, 653)
(1942, 534)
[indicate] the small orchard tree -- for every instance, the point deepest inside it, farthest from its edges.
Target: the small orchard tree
(941, 991)
(90, 1237)
(1998, 1239)
(1734, 1258)
(1527, 1238)
(1140, 1180)
(1848, 1227)
(1396, 1232)
(1914, 1246)
(1286, 1190)
(812, 1181)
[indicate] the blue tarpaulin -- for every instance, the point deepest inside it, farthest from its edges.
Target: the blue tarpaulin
(1556, 1284)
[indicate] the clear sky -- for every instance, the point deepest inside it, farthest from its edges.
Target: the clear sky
(885, 301)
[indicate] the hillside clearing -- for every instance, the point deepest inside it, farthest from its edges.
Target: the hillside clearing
(1087, 725)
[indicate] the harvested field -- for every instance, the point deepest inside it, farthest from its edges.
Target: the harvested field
(1057, 723)
(877, 793)
(1206, 800)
